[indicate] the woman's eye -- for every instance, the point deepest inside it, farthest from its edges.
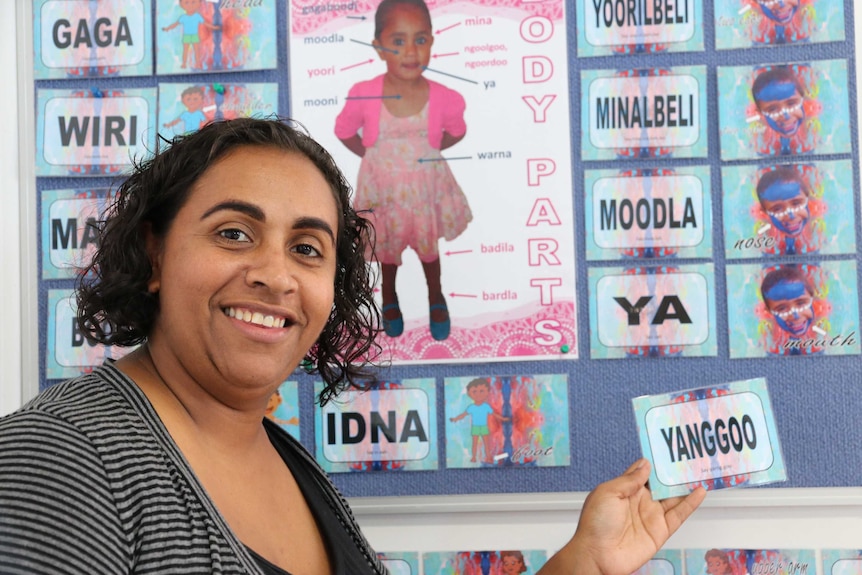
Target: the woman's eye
(307, 250)
(235, 235)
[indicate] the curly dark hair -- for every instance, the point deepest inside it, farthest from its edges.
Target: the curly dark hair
(114, 305)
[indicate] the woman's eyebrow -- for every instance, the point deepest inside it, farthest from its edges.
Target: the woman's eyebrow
(314, 224)
(246, 208)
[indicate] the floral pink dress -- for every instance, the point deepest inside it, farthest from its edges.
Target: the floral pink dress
(409, 192)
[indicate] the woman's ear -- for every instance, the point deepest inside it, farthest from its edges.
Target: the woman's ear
(153, 246)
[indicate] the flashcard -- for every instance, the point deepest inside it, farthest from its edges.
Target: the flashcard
(841, 562)
(718, 437)
(788, 209)
(640, 27)
(283, 407)
(753, 561)
(793, 309)
(644, 113)
(476, 562)
(747, 23)
(93, 132)
(68, 235)
(507, 421)
(215, 36)
(499, 220)
(784, 109)
(648, 213)
(401, 562)
(68, 353)
(390, 427)
(664, 562)
(185, 108)
(652, 311)
(86, 39)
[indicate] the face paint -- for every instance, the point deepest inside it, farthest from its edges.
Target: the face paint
(781, 105)
(781, 11)
(791, 305)
(787, 206)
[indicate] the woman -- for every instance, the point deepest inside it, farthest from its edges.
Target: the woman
(232, 255)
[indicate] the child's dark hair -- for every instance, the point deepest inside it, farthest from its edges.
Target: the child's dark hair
(781, 74)
(192, 90)
(386, 6)
(114, 304)
(479, 381)
(781, 174)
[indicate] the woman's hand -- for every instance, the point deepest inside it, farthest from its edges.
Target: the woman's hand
(621, 527)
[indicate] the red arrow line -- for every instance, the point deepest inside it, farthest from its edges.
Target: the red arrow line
(459, 252)
(447, 54)
(355, 65)
(441, 30)
(453, 294)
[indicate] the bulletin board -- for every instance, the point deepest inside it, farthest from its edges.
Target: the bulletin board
(570, 122)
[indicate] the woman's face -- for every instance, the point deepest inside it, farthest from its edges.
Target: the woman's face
(781, 105)
(245, 273)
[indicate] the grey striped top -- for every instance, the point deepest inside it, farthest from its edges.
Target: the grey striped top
(92, 483)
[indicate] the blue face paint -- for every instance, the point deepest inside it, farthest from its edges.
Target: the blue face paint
(774, 17)
(776, 91)
(786, 290)
(781, 191)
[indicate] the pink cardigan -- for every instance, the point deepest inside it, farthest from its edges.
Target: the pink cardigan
(445, 112)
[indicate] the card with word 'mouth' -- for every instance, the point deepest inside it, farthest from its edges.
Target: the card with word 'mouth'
(718, 437)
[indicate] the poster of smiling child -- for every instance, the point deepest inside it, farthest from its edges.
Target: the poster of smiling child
(792, 309)
(788, 209)
(196, 36)
(506, 562)
(185, 108)
(509, 421)
(474, 234)
(784, 109)
(746, 23)
(841, 561)
(755, 561)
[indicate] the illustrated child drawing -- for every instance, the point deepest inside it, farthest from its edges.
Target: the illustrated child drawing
(275, 400)
(190, 21)
(478, 390)
(193, 118)
(398, 123)
(717, 563)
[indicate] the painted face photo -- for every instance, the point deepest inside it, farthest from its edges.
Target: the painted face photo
(781, 11)
(783, 195)
(780, 100)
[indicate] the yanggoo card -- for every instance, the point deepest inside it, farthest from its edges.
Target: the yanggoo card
(718, 437)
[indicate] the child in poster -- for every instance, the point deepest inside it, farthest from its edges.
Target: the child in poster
(191, 21)
(784, 110)
(788, 209)
(746, 23)
(479, 412)
(798, 309)
(398, 123)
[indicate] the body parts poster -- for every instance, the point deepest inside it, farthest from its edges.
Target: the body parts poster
(474, 233)
(652, 311)
(400, 562)
(196, 36)
(648, 213)
(390, 427)
(792, 309)
(754, 561)
(841, 561)
(718, 437)
(491, 562)
(68, 235)
(509, 421)
(664, 562)
(788, 209)
(185, 108)
(642, 27)
(644, 113)
(784, 109)
(85, 39)
(283, 407)
(757, 23)
(93, 132)
(68, 353)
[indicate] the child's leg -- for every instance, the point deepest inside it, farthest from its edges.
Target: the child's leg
(475, 448)
(186, 50)
(387, 290)
(486, 440)
(435, 290)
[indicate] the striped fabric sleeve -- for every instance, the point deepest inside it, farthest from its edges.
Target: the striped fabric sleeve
(57, 509)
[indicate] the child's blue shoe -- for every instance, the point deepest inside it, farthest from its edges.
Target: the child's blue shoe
(440, 329)
(393, 327)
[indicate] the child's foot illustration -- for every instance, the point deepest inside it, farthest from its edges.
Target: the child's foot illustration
(439, 323)
(393, 321)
